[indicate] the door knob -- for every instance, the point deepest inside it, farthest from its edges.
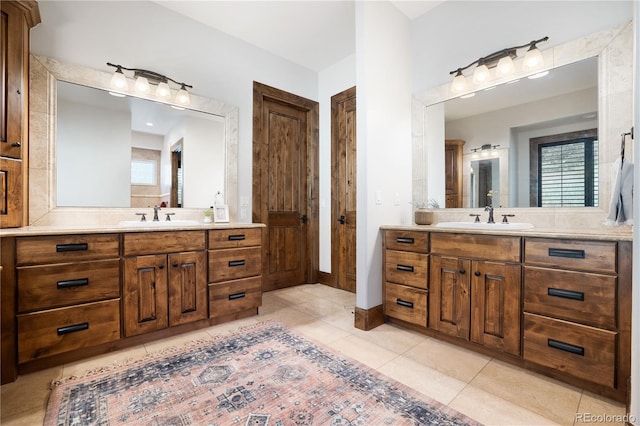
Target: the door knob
(462, 271)
(342, 220)
(477, 273)
(16, 144)
(304, 218)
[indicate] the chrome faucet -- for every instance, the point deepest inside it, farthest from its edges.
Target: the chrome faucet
(155, 213)
(490, 210)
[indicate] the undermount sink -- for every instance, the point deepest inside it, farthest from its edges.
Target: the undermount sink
(159, 224)
(484, 225)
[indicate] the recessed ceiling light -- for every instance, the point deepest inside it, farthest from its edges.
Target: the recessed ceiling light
(149, 124)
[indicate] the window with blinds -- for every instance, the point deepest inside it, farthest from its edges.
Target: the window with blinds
(568, 173)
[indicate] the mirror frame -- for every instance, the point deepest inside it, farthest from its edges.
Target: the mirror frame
(613, 48)
(44, 74)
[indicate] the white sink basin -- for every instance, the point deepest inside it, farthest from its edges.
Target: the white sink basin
(485, 226)
(159, 224)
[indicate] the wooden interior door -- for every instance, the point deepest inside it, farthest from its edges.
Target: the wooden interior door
(343, 189)
(453, 173)
(285, 182)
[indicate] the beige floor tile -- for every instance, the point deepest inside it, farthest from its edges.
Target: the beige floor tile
(318, 307)
(391, 337)
(290, 317)
(320, 331)
(542, 395)
(343, 318)
(176, 341)
(321, 290)
(31, 417)
(292, 295)
(28, 392)
(79, 368)
(594, 409)
(366, 352)
(448, 359)
(489, 409)
(424, 379)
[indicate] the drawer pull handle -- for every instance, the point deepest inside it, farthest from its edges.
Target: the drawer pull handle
(73, 328)
(72, 283)
(566, 294)
(404, 303)
(573, 349)
(233, 263)
(568, 253)
(236, 237)
(237, 295)
(405, 240)
(405, 268)
(72, 247)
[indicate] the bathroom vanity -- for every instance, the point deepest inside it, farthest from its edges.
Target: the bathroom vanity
(69, 294)
(553, 302)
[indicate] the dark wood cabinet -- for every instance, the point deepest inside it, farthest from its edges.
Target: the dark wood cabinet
(453, 173)
(17, 17)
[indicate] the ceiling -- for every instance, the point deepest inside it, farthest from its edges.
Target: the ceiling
(313, 34)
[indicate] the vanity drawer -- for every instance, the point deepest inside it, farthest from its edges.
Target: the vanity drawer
(575, 296)
(55, 331)
(596, 256)
(405, 303)
(488, 247)
(140, 243)
(234, 238)
(407, 241)
(231, 264)
(66, 248)
(407, 268)
(234, 296)
(579, 350)
(48, 286)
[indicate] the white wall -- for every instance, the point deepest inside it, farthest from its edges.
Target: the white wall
(105, 181)
(143, 34)
(331, 81)
(384, 137)
(635, 320)
(146, 141)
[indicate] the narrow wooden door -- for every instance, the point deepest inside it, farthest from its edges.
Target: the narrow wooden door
(145, 294)
(453, 173)
(285, 184)
(449, 298)
(495, 306)
(187, 287)
(343, 189)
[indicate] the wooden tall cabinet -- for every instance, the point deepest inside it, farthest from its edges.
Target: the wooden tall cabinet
(18, 17)
(453, 172)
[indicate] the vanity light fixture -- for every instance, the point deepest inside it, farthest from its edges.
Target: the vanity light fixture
(502, 61)
(143, 81)
(485, 147)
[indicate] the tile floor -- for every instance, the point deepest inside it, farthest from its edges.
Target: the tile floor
(490, 391)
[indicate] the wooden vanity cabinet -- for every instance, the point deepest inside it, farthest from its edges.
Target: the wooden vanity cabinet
(475, 289)
(164, 280)
(235, 273)
(68, 293)
(406, 269)
(572, 321)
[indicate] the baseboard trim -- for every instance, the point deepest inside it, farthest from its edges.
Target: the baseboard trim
(368, 319)
(325, 278)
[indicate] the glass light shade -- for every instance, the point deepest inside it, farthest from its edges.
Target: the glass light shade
(481, 74)
(505, 66)
(182, 97)
(459, 83)
(163, 91)
(142, 85)
(532, 60)
(119, 81)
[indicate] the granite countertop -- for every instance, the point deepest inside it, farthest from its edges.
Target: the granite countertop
(604, 233)
(102, 229)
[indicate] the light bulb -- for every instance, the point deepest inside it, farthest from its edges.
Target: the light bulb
(532, 60)
(182, 97)
(119, 81)
(163, 91)
(459, 83)
(505, 66)
(481, 74)
(142, 85)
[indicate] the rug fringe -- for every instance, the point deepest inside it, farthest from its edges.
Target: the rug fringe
(129, 362)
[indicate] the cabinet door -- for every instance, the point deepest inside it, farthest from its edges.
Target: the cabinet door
(145, 294)
(449, 305)
(187, 287)
(495, 306)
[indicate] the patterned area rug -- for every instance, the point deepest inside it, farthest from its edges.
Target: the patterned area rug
(261, 375)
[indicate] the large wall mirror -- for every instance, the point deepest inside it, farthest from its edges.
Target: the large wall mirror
(533, 142)
(90, 150)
